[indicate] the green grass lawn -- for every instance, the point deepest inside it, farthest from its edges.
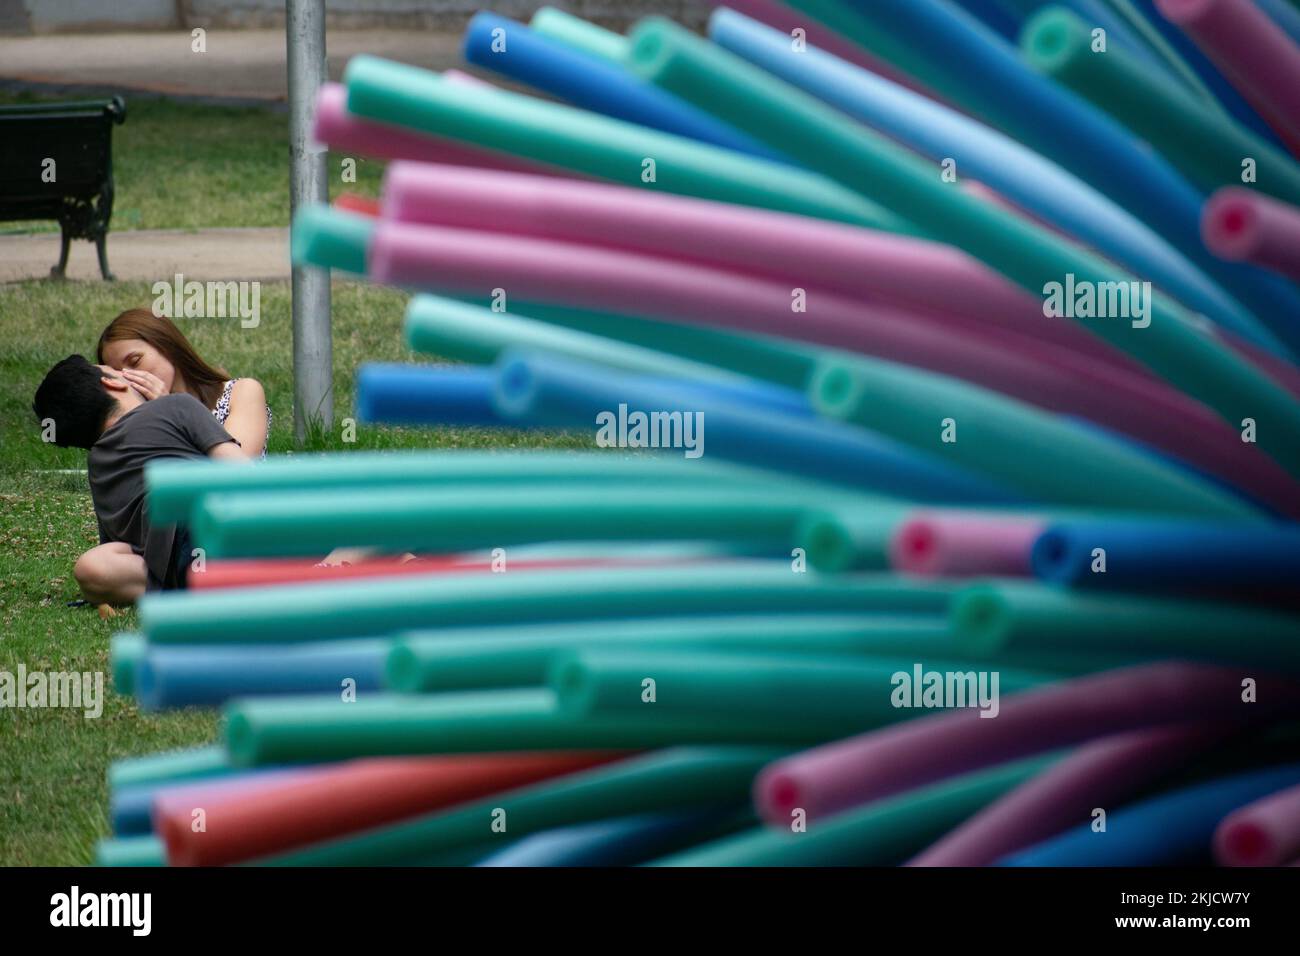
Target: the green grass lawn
(177, 166)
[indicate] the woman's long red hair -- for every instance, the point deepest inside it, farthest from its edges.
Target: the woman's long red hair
(202, 380)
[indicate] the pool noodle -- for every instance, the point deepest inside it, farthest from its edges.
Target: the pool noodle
(403, 394)
(954, 545)
(1249, 49)
(1102, 773)
(1154, 555)
(342, 132)
(190, 763)
(124, 653)
(345, 798)
(130, 808)
(285, 523)
(675, 780)
(544, 390)
(1263, 833)
(521, 655)
(622, 841)
(998, 161)
(1239, 224)
(593, 83)
(130, 851)
(845, 773)
(994, 617)
(845, 539)
(1167, 830)
(987, 75)
(175, 486)
(882, 833)
(803, 252)
(1071, 465)
(375, 607)
(172, 677)
(1209, 149)
(597, 146)
(579, 33)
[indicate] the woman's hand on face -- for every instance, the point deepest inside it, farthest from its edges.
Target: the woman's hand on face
(147, 384)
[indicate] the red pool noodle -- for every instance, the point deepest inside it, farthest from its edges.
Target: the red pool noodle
(351, 796)
(1245, 226)
(1252, 51)
(1099, 774)
(939, 544)
(1264, 833)
(355, 203)
(257, 572)
(857, 770)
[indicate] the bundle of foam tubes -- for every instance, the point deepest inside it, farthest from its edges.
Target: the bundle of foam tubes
(947, 356)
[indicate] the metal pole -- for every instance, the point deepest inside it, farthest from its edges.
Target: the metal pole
(313, 395)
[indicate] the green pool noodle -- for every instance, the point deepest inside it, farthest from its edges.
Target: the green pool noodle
(480, 658)
(579, 33)
(763, 687)
(124, 652)
(780, 361)
(850, 538)
(330, 238)
(1206, 146)
(292, 730)
(883, 833)
(131, 851)
(190, 764)
(1038, 453)
(991, 619)
(1172, 344)
(472, 333)
(377, 607)
(174, 487)
(597, 146)
(677, 779)
(305, 522)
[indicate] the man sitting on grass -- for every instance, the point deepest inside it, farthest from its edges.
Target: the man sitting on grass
(93, 407)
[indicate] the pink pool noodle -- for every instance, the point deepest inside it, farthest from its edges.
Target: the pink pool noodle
(799, 250)
(338, 129)
(474, 262)
(1099, 774)
(939, 544)
(1245, 226)
(843, 774)
(1252, 51)
(1264, 833)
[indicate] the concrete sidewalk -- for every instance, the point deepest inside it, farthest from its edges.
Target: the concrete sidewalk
(238, 64)
(155, 254)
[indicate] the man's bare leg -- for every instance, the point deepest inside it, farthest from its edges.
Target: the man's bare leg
(111, 574)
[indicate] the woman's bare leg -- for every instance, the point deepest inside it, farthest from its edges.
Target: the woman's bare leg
(111, 574)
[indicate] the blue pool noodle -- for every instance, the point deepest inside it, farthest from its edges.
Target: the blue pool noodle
(425, 395)
(1083, 139)
(1153, 554)
(1168, 830)
(199, 676)
(540, 390)
(621, 841)
(1036, 184)
(595, 84)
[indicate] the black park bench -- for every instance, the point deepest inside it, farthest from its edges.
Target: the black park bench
(77, 187)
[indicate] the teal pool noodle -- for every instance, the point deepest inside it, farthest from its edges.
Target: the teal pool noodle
(173, 765)
(584, 142)
(446, 520)
(679, 779)
(175, 486)
(124, 654)
(377, 607)
(520, 656)
(131, 851)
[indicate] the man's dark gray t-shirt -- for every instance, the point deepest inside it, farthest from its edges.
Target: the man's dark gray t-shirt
(173, 426)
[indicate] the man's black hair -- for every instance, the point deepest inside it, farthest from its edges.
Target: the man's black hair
(74, 398)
